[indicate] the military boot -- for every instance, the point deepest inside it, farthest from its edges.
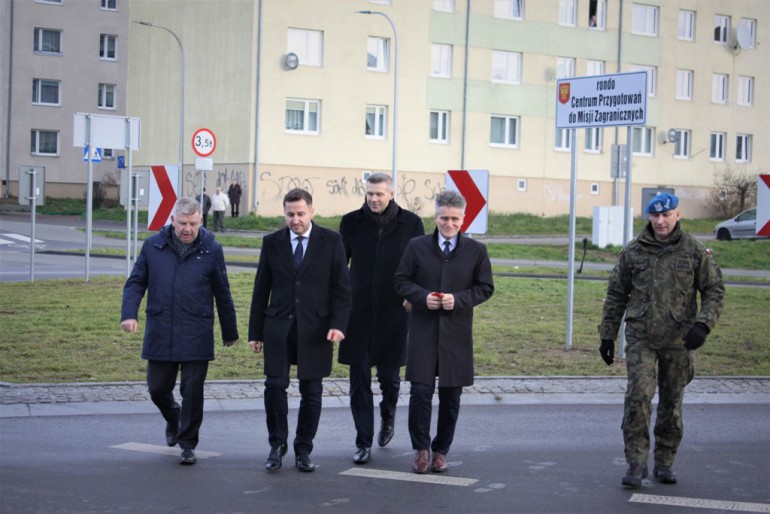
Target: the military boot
(664, 474)
(634, 475)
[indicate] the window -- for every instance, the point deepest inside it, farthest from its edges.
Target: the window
(444, 5)
(106, 96)
(506, 67)
(743, 148)
(107, 47)
(303, 116)
(377, 54)
(45, 142)
(381, 2)
(441, 61)
(652, 77)
(719, 88)
(108, 154)
(644, 20)
(110, 5)
(749, 27)
(593, 140)
(684, 84)
(45, 92)
(642, 139)
(567, 12)
(565, 67)
(687, 25)
(717, 146)
(439, 127)
(376, 121)
(682, 144)
(504, 131)
(594, 188)
(47, 41)
(594, 68)
(563, 139)
(745, 90)
(721, 29)
(509, 9)
(521, 184)
(307, 44)
(597, 18)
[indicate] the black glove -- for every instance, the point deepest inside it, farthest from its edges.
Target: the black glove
(607, 351)
(695, 338)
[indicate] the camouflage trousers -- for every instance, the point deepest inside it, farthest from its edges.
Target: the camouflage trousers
(670, 369)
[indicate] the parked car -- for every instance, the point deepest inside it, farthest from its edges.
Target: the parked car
(743, 226)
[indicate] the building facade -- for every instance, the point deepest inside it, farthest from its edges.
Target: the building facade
(300, 93)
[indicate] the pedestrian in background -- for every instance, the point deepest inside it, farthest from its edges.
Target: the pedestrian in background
(444, 276)
(300, 306)
(205, 202)
(234, 195)
(182, 269)
(219, 204)
(656, 284)
(375, 237)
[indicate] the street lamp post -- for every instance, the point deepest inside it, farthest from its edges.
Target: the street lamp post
(180, 181)
(395, 91)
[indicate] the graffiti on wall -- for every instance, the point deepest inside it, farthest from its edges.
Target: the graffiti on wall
(412, 194)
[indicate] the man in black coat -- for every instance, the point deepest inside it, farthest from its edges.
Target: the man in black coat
(234, 195)
(375, 237)
(300, 307)
(182, 270)
(444, 276)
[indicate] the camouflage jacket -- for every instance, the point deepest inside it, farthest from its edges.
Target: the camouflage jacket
(656, 283)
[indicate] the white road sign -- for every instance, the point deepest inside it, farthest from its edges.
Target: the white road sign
(602, 101)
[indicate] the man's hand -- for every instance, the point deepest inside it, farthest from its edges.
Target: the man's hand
(407, 306)
(229, 343)
(334, 335)
(256, 346)
(448, 302)
(129, 325)
(433, 301)
(607, 351)
(695, 338)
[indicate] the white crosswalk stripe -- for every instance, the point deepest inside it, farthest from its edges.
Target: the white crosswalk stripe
(10, 239)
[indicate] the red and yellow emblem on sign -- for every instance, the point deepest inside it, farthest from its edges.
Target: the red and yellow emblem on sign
(564, 92)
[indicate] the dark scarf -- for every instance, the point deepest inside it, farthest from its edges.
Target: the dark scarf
(180, 247)
(381, 220)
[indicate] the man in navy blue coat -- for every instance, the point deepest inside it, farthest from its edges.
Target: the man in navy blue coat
(182, 269)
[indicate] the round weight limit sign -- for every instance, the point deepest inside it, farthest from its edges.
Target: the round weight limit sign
(203, 142)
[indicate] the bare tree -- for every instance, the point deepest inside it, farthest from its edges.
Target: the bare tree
(734, 191)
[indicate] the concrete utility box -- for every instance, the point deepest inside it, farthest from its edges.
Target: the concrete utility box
(608, 226)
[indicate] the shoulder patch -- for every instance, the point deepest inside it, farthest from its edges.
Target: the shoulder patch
(708, 251)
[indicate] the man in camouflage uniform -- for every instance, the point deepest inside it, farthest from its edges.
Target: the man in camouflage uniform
(655, 283)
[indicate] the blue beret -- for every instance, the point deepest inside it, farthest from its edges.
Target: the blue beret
(662, 203)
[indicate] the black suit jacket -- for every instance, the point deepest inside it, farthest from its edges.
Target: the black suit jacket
(317, 297)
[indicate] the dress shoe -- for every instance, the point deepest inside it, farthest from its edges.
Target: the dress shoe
(664, 474)
(275, 459)
(304, 464)
(634, 475)
(172, 431)
(386, 432)
(188, 457)
(439, 463)
(420, 464)
(362, 456)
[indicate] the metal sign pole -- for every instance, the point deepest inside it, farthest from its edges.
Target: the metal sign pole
(626, 229)
(128, 199)
(135, 192)
(571, 252)
(89, 196)
(33, 203)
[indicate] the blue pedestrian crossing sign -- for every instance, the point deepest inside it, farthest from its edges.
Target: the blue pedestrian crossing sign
(96, 154)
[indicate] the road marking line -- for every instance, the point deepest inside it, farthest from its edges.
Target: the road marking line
(19, 237)
(700, 503)
(409, 477)
(163, 450)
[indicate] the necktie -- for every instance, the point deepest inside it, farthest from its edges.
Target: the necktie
(298, 252)
(447, 247)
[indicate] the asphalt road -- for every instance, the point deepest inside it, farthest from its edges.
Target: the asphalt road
(548, 458)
